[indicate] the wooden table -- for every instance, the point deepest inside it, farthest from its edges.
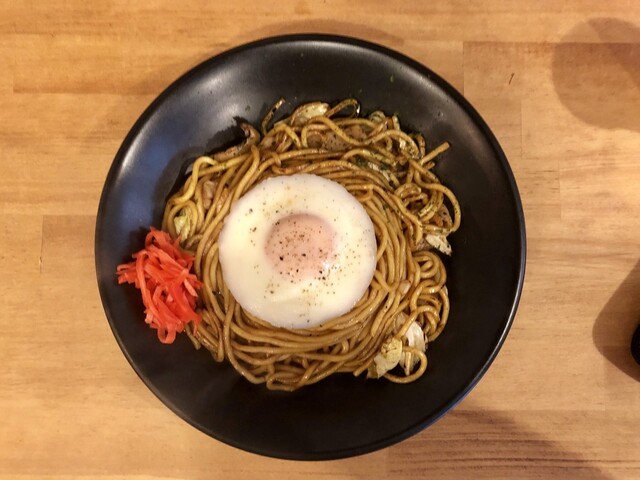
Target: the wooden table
(559, 83)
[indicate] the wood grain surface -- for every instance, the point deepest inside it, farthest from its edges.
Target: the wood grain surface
(558, 82)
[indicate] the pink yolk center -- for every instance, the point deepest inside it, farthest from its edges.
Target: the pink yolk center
(301, 246)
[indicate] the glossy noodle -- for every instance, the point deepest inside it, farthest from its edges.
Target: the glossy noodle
(390, 172)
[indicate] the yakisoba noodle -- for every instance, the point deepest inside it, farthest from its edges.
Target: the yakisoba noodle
(390, 173)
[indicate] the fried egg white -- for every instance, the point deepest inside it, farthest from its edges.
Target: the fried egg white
(297, 251)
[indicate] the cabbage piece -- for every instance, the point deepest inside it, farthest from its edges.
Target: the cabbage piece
(387, 359)
(182, 223)
(414, 338)
(208, 191)
(439, 242)
(306, 112)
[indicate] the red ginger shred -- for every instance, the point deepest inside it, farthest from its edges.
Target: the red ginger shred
(162, 273)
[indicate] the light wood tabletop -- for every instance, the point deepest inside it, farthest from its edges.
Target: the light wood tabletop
(557, 81)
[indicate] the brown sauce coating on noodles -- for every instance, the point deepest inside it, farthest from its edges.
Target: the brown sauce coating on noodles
(390, 172)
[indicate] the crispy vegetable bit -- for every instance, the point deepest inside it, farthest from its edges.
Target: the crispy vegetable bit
(161, 271)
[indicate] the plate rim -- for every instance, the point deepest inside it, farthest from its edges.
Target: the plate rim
(451, 92)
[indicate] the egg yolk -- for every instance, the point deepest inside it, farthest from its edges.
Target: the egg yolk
(301, 246)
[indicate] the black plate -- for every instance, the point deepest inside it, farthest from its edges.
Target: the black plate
(342, 416)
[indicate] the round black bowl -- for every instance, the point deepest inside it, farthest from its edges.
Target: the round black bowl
(341, 416)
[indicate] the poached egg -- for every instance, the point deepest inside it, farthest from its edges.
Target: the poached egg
(297, 251)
